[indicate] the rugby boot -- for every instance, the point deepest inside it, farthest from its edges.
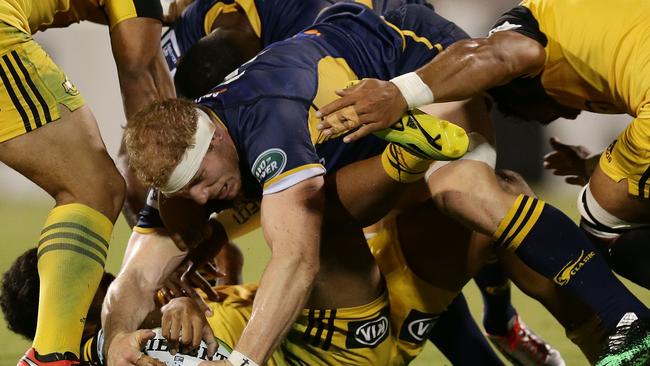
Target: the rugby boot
(427, 137)
(523, 347)
(32, 358)
(629, 344)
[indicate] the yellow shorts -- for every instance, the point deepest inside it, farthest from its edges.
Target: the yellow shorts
(346, 336)
(628, 157)
(32, 85)
(415, 305)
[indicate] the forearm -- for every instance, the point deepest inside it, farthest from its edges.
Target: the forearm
(472, 66)
(149, 260)
(273, 315)
(136, 192)
(145, 83)
(292, 221)
(126, 306)
(141, 68)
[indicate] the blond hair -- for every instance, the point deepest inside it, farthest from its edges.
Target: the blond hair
(157, 137)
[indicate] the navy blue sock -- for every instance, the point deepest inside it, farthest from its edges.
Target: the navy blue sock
(458, 337)
(629, 255)
(494, 285)
(551, 244)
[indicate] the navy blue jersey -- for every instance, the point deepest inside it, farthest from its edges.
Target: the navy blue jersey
(272, 20)
(269, 103)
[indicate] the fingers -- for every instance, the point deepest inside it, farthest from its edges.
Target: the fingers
(145, 360)
(361, 132)
(142, 336)
(193, 280)
(555, 142)
(208, 338)
(337, 104)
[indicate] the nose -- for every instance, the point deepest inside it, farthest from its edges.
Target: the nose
(200, 196)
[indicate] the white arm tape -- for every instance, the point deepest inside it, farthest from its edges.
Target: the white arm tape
(236, 358)
(413, 89)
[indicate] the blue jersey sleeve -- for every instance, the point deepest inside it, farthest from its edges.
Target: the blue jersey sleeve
(274, 139)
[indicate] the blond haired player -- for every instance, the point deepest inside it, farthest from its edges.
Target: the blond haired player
(49, 135)
(551, 59)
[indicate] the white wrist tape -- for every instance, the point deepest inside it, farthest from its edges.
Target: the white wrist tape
(413, 89)
(236, 358)
(191, 161)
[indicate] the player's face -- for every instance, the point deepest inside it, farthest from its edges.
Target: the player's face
(218, 176)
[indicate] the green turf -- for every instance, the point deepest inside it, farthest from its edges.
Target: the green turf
(20, 225)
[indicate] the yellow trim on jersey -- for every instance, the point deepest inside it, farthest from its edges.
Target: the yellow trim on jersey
(253, 16)
(214, 12)
(398, 31)
(333, 73)
(419, 39)
(144, 230)
(292, 171)
(367, 3)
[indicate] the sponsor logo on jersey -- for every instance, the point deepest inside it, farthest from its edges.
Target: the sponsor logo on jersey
(368, 333)
(69, 87)
(572, 268)
(269, 164)
(417, 326)
(608, 151)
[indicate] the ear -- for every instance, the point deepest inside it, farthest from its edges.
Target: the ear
(219, 133)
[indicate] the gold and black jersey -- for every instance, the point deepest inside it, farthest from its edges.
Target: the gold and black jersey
(30, 16)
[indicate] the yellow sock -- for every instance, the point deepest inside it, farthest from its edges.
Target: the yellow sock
(71, 256)
(403, 166)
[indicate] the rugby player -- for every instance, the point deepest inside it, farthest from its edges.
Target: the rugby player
(212, 185)
(293, 204)
(50, 136)
(249, 28)
(626, 253)
(244, 24)
(550, 69)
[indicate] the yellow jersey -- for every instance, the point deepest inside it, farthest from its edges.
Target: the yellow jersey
(30, 16)
(597, 51)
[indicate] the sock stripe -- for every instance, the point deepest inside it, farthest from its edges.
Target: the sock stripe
(532, 220)
(71, 247)
(511, 217)
(76, 237)
(523, 222)
(74, 225)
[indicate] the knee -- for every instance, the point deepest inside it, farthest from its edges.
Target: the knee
(512, 182)
(103, 191)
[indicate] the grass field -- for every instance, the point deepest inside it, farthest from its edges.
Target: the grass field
(20, 224)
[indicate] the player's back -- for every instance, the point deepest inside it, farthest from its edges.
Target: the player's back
(598, 52)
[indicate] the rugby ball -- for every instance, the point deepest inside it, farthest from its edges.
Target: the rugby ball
(158, 348)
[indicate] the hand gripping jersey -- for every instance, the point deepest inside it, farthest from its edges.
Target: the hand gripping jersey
(597, 59)
(269, 104)
(271, 20)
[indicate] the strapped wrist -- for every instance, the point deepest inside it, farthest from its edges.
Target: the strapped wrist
(237, 358)
(415, 91)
